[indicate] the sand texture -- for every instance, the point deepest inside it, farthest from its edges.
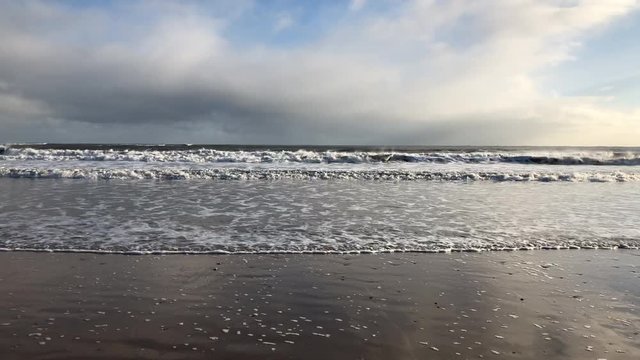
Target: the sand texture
(578, 304)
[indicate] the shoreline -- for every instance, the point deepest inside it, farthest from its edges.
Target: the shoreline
(318, 252)
(518, 305)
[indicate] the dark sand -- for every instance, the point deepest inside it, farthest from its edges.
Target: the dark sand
(577, 304)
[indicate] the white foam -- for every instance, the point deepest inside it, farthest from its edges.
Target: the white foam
(127, 201)
(301, 252)
(174, 173)
(205, 155)
(148, 217)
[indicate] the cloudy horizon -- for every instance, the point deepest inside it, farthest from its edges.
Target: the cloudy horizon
(501, 72)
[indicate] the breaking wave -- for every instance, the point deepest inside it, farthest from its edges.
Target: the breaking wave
(311, 174)
(208, 155)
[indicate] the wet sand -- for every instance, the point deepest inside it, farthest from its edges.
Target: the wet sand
(578, 304)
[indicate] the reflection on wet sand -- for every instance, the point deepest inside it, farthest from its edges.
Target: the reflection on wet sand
(551, 304)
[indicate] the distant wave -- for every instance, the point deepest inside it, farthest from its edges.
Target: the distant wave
(207, 155)
(310, 174)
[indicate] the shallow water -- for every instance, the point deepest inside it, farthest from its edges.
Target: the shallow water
(202, 216)
(248, 199)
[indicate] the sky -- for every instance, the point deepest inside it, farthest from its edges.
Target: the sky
(423, 72)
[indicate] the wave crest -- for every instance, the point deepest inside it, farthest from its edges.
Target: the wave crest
(306, 174)
(205, 155)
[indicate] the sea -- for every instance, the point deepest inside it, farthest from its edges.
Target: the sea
(226, 199)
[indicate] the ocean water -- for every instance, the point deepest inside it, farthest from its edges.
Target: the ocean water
(260, 199)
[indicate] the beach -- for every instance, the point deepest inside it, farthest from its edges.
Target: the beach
(580, 304)
(319, 180)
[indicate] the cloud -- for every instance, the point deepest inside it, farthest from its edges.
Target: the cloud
(283, 22)
(356, 5)
(434, 72)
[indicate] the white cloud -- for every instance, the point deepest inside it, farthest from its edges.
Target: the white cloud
(356, 5)
(428, 72)
(283, 22)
